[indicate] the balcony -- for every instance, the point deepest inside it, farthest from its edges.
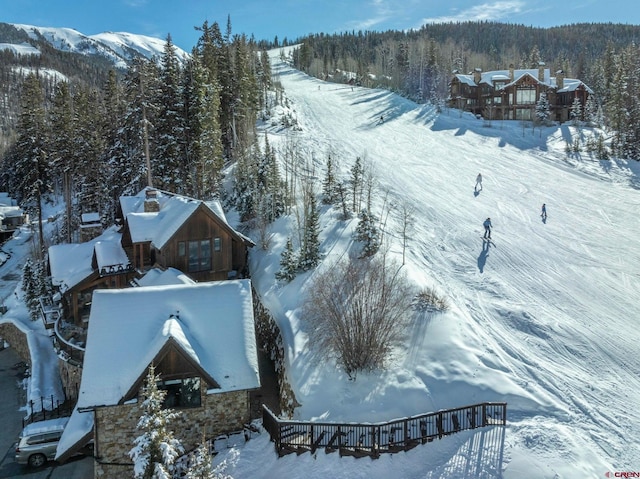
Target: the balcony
(69, 342)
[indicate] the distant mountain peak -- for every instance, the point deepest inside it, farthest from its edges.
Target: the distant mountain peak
(119, 47)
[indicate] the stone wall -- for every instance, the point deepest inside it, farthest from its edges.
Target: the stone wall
(17, 339)
(115, 429)
(70, 375)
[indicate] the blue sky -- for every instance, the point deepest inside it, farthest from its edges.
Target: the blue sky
(292, 18)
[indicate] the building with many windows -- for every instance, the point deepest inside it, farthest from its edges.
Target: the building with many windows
(514, 94)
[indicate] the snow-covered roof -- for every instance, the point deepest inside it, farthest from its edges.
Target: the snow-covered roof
(110, 253)
(90, 217)
(160, 277)
(10, 211)
(127, 328)
(158, 227)
(72, 263)
(490, 77)
(211, 322)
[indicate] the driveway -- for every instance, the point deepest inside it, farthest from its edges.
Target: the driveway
(12, 399)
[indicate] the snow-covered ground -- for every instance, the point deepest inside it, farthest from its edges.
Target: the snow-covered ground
(546, 319)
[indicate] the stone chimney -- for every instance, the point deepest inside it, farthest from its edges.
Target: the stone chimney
(541, 71)
(477, 75)
(560, 79)
(151, 204)
(511, 71)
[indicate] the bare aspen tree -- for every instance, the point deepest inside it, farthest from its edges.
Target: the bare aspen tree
(358, 309)
(406, 223)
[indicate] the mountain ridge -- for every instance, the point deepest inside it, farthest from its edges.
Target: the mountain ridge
(120, 48)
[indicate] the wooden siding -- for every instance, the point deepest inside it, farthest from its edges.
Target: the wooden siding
(200, 226)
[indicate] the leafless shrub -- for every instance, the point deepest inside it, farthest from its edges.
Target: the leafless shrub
(429, 300)
(358, 309)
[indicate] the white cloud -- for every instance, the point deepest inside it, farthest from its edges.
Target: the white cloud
(486, 11)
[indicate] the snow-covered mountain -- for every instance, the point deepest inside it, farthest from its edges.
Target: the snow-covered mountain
(118, 47)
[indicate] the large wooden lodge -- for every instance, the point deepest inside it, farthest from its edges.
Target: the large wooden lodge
(513, 94)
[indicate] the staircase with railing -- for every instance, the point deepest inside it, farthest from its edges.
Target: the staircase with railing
(377, 438)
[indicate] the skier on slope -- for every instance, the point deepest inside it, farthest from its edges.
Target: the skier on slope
(487, 228)
(544, 211)
(478, 182)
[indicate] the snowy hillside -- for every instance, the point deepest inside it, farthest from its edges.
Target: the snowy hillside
(120, 47)
(547, 319)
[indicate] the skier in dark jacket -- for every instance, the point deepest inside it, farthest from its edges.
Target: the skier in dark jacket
(487, 228)
(544, 211)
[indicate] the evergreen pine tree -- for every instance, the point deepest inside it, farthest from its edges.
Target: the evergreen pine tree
(32, 168)
(543, 111)
(62, 158)
(156, 449)
(367, 233)
(200, 466)
(576, 111)
(329, 185)
(168, 160)
(30, 288)
(310, 251)
(357, 179)
(288, 263)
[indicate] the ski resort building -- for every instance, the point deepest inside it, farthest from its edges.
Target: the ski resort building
(514, 94)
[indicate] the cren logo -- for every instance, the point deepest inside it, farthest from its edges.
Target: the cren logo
(622, 474)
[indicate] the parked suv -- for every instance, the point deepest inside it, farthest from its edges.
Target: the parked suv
(38, 441)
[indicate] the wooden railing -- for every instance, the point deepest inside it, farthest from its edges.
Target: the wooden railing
(374, 439)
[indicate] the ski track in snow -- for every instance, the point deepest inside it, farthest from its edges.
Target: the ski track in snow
(548, 316)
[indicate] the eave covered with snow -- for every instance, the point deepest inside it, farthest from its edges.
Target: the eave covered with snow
(209, 324)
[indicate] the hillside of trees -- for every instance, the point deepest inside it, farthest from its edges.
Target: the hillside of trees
(161, 123)
(419, 64)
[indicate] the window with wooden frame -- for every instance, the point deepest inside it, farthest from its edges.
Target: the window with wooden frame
(217, 244)
(199, 255)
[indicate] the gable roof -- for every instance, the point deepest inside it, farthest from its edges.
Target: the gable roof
(128, 327)
(174, 210)
(211, 323)
(71, 264)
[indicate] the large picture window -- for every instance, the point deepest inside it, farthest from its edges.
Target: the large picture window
(181, 392)
(526, 97)
(200, 255)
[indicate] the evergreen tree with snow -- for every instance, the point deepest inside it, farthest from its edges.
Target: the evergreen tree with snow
(543, 111)
(310, 251)
(329, 195)
(30, 288)
(168, 160)
(575, 111)
(591, 114)
(367, 233)
(156, 449)
(30, 154)
(126, 149)
(357, 183)
(200, 466)
(288, 263)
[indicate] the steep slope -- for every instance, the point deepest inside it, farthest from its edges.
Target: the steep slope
(546, 319)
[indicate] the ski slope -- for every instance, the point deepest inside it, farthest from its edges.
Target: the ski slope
(547, 319)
